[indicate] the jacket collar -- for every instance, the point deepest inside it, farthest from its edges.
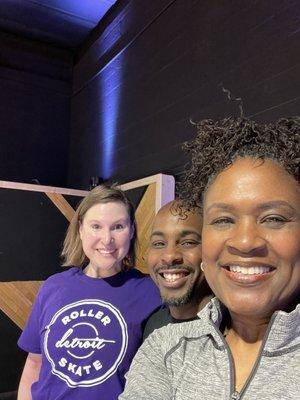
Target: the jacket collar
(283, 333)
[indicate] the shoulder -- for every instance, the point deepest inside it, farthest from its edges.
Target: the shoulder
(139, 279)
(172, 337)
(66, 274)
(161, 317)
(142, 290)
(179, 332)
(135, 273)
(59, 278)
(157, 320)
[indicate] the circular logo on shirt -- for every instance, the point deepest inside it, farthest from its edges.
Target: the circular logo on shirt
(85, 342)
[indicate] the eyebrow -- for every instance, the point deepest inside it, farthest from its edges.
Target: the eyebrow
(223, 206)
(114, 222)
(185, 232)
(261, 207)
(276, 203)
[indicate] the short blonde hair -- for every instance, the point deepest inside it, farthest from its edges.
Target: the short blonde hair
(72, 253)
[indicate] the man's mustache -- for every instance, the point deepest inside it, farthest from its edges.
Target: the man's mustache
(167, 267)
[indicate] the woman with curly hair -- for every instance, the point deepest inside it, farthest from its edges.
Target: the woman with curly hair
(246, 343)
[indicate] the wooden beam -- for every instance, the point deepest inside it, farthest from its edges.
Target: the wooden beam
(144, 214)
(42, 188)
(165, 188)
(61, 203)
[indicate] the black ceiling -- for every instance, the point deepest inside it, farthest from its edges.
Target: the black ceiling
(63, 23)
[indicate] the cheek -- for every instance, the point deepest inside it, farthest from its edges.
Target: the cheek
(213, 243)
(211, 247)
(292, 257)
(287, 249)
(151, 272)
(152, 259)
(192, 258)
(211, 276)
(124, 239)
(87, 240)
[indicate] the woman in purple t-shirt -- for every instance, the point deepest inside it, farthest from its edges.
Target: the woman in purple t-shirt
(86, 323)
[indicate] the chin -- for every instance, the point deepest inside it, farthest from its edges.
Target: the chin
(176, 301)
(250, 309)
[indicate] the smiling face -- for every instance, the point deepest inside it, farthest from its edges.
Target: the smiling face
(251, 237)
(174, 255)
(105, 233)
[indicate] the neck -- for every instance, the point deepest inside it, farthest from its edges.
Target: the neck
(248, 329)
(96, 272)
(190, 310)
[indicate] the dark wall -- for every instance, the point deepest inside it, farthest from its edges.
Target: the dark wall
(158, 64)
(35, 86)
(12, 358)
(31, 239)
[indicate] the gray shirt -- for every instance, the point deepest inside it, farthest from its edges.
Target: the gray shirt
(191, 361)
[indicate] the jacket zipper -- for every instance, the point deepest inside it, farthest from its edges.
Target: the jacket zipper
(234, 395)
(257, 362)
(238, 395)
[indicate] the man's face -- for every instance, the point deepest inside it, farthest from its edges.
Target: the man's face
(174, 255)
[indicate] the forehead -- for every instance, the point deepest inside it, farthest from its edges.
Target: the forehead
(255, 181)
(107, 211)
(168, 222)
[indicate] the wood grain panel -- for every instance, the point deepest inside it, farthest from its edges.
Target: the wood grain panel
(145, 214)
(16, 299)
(61, 203)
(171, 74)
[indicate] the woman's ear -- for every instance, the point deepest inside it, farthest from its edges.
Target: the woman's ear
(132, 228)
(80, 230)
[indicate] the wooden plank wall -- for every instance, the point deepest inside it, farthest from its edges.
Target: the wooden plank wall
(144, 215)
(17, 297)
(171, 57)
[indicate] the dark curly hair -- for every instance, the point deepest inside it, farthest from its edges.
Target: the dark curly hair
(219, 143)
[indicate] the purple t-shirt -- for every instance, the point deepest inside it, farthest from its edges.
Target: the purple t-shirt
(88, 331)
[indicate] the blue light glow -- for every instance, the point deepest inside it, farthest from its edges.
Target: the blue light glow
(88, 10)
(110, 99)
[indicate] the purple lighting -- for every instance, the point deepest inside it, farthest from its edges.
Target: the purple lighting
(110, 97)
(88, 10)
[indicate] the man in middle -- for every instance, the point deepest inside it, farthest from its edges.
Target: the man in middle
(174, 261)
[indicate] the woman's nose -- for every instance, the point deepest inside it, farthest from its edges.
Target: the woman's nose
(247, 238)
(106, 237)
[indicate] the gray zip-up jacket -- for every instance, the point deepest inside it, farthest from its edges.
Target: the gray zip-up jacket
(192, 361)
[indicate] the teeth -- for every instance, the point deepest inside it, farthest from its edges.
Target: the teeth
(105, 251)
(249, 270)
(172, 277)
